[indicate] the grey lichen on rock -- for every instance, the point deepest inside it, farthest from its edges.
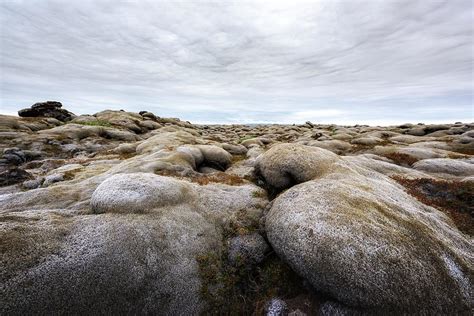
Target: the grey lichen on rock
(138, 193)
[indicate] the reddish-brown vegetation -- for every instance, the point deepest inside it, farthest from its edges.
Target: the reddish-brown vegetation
(454, 198)
(204, 179)
(401, 159)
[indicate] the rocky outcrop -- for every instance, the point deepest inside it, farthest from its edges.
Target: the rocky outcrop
(47, 109)
(131, 213)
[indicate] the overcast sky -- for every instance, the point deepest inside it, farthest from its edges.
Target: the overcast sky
(372, 62)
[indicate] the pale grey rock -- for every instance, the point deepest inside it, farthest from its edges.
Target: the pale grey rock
(235, 149)
(466, 140)
(360, 238)
(208, 155)
(468, 179)
(101, 264)
(336, 146)
(207, 170)
(116, 134)
(125, 148)
(149, 125)
(416, 131)
(53, 178)
(341, 136)
(215, 156)
(384, 166)
(254, 152)
(253, 142)
(276, 307)
(284, 165)
(410, 139)
(32, 184)
(456, 167)
(165, 137)
(138, 193)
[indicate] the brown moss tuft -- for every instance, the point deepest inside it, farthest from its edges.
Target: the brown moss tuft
(238, 158)
(125, 156)
(242, 223)
(24, 243)
(259, 194)
(401, 159)
(244, 290)
(219, 177)
(469, 151)
(454, 198)
(359, 148)
(70, 174)
(205, 179)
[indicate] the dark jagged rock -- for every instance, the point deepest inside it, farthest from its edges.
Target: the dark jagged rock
(13, 176)
(47, 105)
(147, 114)
(16, 156)
(47, 109)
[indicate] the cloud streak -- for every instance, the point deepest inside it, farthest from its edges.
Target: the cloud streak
(259, 61)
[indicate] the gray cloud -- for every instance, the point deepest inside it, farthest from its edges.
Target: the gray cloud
(375, 62)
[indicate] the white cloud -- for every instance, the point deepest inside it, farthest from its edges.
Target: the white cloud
(252, 60)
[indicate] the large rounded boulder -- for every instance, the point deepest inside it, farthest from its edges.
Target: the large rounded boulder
(137, 193)
(366, 243)
(284, 165)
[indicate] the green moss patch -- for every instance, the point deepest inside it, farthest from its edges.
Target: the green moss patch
(95, 123)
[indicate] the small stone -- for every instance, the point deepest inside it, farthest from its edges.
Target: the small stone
(32, 184)
(276, 307)
(53, 178)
